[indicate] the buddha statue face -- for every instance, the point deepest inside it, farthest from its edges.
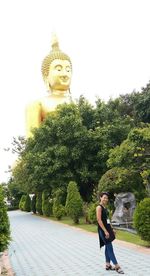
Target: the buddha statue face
(59, 75)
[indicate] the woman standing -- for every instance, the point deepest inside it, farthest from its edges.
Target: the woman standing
(106, 233)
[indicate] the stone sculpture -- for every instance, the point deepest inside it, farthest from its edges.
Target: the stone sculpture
(125, 204)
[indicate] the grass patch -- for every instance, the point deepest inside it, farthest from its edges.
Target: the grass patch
(129, 237)
(120, 234)
(82, 224)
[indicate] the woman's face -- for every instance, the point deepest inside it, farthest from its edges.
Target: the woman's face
(104, 199)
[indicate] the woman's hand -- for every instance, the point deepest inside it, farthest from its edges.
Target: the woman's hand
(106, 235)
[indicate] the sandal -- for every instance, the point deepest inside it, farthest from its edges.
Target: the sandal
(110, 267)
(119, 270)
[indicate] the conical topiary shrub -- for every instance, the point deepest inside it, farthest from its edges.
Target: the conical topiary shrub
(27, 204)
(74, 202)
(46, 206)
(58, 208)
(39, 203)
(22, 202)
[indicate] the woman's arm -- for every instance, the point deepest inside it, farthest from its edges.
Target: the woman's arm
(99, 220)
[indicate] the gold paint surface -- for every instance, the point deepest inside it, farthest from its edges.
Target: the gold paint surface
(57, 72)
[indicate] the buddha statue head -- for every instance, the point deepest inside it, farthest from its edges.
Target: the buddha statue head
(57, 69)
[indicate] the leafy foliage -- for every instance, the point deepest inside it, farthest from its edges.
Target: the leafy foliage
(14, 194)
(117, 180)
(142, 219)
(62, 149)
(4, 224)
(92, 213)
(39, 203)
(18, 144)
(27, 204)
(74, 202)
(58, 208)
(75, 142)
(134, 155)
(46, 205)
(22, 203)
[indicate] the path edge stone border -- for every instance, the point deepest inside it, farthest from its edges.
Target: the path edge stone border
(5, 266)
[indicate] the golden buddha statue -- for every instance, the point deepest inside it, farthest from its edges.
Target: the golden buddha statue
(56, 71)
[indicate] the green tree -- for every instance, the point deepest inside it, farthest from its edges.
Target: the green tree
(62, 149)
(142, 219)
(18, 145)
(139, 104)
(14, 194)
(22, 203)
(118, 179)
(27, 204)
(145, 174)
(20, 177)
(46, 205)
(73, 143)
(136, 105)
(74, 203)
(134, 154)
(4, 224)
(92, 213)
(39, 203)
(87, 112)
(58, 208)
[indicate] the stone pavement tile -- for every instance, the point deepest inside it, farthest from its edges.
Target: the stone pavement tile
(42, 247)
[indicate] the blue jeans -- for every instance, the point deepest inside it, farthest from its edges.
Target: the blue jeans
(109, 252)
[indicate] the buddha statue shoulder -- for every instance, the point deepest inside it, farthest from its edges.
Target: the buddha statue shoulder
(56, 72)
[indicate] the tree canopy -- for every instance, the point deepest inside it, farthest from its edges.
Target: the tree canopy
(82, 143)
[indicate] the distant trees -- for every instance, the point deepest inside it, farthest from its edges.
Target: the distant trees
(89, 145)
(68, 146)
(134, 154)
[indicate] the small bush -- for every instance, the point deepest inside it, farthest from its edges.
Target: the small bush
(58, 208)
(4, 224)
(92, 213)
(33, 204)
(74, 203)
(85, 212)
(39, 203)
(27, 204)
(46, 206)
(22, 202)
(141, 219)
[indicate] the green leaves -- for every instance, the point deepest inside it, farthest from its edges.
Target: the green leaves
(142, 219)
(4, 224)
(80, 142)
(74, 202)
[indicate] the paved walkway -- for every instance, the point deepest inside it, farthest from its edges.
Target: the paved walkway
(41, 247)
